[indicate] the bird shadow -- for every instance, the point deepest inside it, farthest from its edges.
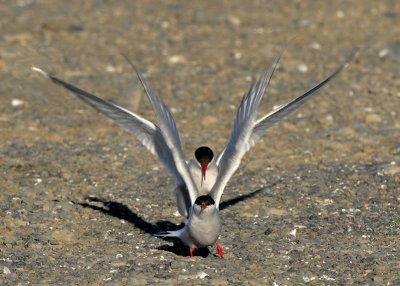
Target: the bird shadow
(121, 211)
(240, 198)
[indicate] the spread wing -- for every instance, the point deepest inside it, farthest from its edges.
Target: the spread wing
(264, 123)
(170, 134)
(146, 132)
(247, 131)
(228, 160)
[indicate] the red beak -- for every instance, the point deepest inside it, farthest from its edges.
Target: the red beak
(203, 206)
(204, 169)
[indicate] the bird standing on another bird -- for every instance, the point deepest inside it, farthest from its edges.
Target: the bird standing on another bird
(200, 182)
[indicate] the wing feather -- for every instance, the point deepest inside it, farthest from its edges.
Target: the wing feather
(145, 131)
(171, 136)
(246, 131)
(229, 159)
(278, 114)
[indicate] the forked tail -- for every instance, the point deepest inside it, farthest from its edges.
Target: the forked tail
(175, 233)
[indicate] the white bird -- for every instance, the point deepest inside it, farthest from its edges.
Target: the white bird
(200, 182)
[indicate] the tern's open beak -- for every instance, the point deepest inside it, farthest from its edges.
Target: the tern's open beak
(203, 206)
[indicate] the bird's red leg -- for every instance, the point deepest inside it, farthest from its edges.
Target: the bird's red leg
(191, 252)
(220, 254)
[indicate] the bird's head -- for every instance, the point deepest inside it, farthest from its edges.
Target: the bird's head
(203, 156)
(204, 203)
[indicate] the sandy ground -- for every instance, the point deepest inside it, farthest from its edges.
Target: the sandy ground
(314, 203)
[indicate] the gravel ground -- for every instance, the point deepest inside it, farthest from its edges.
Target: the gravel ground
(315, 203)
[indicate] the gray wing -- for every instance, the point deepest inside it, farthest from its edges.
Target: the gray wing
(261, 125)
(171, 135)
(228, 160)
(146, 132)
(247, 132)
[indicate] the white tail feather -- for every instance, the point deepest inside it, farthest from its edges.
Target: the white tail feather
(175, 233)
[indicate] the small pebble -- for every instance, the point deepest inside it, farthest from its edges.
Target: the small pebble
(305, 22)
(315, 46)
(175, 109)
(328, 119)
(23, 3)
(392, 170)
(308, 279)
(302, 68)
(373, 118)
(383, 53)
(177, 59)
(113, 69)
(326, 277)
(202, 275)
(165, 24)
(340, 14)
(237, 55)
(6, 271)
(17, 102)
(234, 21)
(209, 120)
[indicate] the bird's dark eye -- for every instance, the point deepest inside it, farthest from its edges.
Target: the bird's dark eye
(207, 199)
(204, 155)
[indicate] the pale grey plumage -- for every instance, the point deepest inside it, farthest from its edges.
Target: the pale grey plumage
(171, 136)
(247, 131)
(228, 160)
(151, 136)
(203, 223)
(201, 230)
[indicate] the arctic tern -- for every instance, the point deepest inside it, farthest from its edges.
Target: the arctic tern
(200, 182)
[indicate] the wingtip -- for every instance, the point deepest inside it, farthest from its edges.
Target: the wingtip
(125, 56)
(42, 72)
(353, 54)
